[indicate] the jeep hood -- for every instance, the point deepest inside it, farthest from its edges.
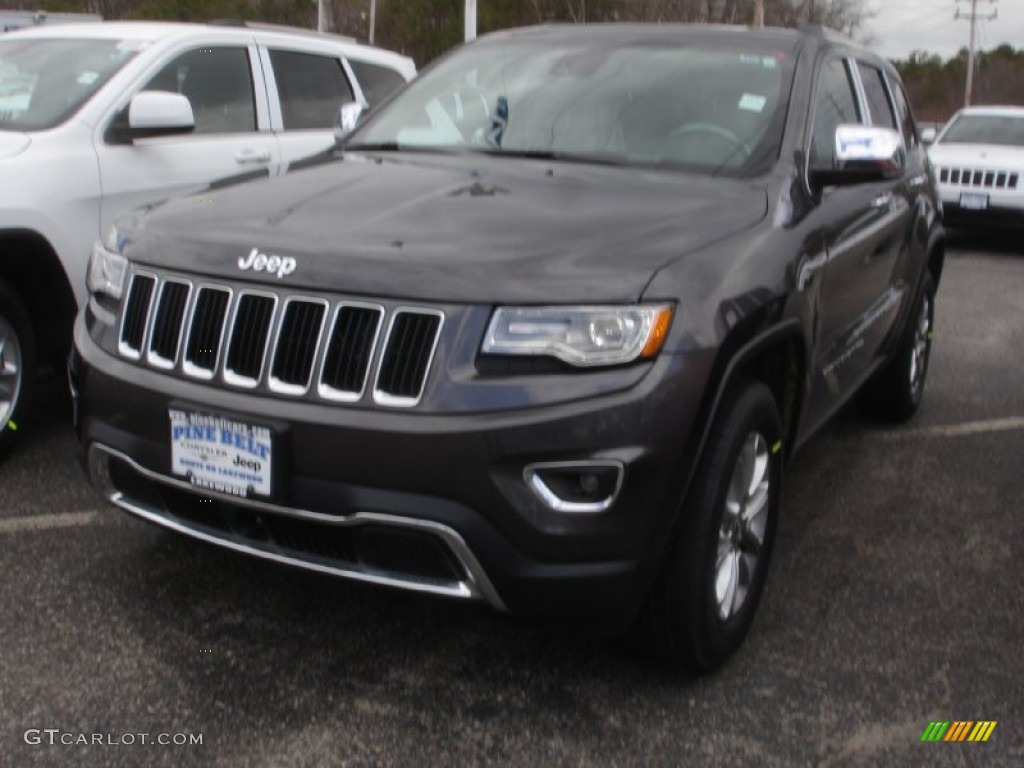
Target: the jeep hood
(977, 156)
(451, 227)
(13, 143)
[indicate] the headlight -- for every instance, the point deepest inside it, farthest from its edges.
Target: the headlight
(106, 272)
(583, 336)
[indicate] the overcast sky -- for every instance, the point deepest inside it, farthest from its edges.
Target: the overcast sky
(901, 26)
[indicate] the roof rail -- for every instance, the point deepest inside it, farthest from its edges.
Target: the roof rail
(825, 33)
(267, 27)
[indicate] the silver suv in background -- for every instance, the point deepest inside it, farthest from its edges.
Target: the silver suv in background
(97, 119)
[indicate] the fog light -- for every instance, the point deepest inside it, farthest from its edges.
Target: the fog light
(576, 486)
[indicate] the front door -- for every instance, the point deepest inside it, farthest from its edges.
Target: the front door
(229, 141)
(863, 233)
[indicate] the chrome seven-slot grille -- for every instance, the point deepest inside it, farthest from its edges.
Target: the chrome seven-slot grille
(967, 177)
(294, 345)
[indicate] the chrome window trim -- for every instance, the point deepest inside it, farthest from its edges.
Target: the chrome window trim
(328, 392)
(275, 117)
(151, 357)
(893, 105)
(554, 502)
(259, 88)
(820, 63)
(188, 368)
(281, 387)
(475, 586)
(230, 377)
(392, 401)
(123, 349)
(864, 105)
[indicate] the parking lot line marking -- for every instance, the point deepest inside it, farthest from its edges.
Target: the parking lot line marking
(975, 427)
(959, 430)
(46, 522)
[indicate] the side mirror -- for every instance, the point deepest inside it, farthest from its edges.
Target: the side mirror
(863, 153)
(928, 136)
(159, 113)
(348, 118)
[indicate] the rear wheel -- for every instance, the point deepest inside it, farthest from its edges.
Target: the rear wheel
(895, 392)
(708, 592)
(17, 365)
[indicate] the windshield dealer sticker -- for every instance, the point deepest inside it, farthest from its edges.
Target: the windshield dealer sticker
(752, 103)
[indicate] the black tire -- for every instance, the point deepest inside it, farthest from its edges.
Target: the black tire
(686, 621)
(17, 366)
(894, 393)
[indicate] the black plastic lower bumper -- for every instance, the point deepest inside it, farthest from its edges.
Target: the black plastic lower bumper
(954, 215)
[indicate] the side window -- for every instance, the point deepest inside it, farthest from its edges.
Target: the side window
(834, 105)
(218, 83)
(312, 89)
(376, 81)
(878, 99)
(906, 116)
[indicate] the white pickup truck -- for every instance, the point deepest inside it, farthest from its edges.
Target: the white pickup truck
(98, 119)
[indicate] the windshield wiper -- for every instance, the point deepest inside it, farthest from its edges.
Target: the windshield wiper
(550, 154)
(380, 146)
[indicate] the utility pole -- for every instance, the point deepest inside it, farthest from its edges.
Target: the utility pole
(373, 18)
(321, 16)
(759, 14)
(972, 17)
(470, 20)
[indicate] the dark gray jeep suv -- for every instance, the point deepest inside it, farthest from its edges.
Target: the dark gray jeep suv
(540, 333)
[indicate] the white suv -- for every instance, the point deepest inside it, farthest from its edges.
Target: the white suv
(97, 119)
(979, 160)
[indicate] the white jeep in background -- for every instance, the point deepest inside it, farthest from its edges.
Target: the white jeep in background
(979, 161)
(98, 119)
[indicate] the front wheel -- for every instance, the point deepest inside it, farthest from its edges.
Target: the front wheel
(705, 599)
(17, 364)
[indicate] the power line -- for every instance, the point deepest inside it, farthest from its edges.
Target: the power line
(973, 18)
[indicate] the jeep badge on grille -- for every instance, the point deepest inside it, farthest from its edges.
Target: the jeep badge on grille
(261, 262)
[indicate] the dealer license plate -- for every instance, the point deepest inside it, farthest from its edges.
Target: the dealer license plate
(221, 454)
(973, 201)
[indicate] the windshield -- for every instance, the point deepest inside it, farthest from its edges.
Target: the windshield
(986, 129)
(710, 110)
(43, 82)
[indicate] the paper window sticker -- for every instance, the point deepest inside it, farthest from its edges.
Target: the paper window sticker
(752, 102)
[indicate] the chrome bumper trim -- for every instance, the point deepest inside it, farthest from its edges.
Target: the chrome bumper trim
(476, 585)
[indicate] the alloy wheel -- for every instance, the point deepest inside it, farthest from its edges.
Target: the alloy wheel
(10, 371)
(922, 342)
(742, 530)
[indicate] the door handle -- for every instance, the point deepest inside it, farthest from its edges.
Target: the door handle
(253, 157)
(882, 201)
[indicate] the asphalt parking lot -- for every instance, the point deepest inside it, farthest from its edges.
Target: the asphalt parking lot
(895, 599)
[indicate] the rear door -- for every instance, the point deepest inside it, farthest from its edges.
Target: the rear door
(306, 89)
(376, 81)
(232, 137)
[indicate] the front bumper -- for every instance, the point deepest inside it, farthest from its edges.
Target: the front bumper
(436, 503)
(1004, 208)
